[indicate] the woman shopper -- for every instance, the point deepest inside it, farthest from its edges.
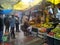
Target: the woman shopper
(12, 25)
(7, 24)
(25, 25)
(17, 24)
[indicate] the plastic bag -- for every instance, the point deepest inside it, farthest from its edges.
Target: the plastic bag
(4, 38)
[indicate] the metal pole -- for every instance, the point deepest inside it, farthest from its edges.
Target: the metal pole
(30, 9)
(54, 9)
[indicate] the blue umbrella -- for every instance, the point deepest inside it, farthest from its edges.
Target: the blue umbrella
(5, 11)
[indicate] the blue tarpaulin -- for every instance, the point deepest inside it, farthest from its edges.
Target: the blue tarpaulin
(5, 11)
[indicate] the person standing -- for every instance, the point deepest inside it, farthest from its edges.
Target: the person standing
(17, 24)
(7, 24)
(25, 25)
(12, 25)
(1, 28)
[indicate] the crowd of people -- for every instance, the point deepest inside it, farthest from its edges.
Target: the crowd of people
(11, 22)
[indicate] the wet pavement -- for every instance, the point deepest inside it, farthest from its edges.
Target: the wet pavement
(21, 39)
(24, 40)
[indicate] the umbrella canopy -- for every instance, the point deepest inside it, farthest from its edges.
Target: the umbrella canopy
(19, 4)
(5, 6)
(8, 4)
(54, 1)
(5, 11)
(12, 2)
(58, 5)
(26, 4)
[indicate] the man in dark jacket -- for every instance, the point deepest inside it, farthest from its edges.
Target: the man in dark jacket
(1, 28)
(7, 24)
(12, 25)
(17, 24)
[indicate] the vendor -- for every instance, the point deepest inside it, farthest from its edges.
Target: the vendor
(25, 25)
(38, 20)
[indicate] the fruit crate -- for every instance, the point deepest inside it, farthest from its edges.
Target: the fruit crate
(52, 41)
(56, 41)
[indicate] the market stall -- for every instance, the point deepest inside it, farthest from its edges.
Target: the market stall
(43, 24)
(46, 25)
(53, 37)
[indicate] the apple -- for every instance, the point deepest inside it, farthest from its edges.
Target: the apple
(51, 33)
(43, 29)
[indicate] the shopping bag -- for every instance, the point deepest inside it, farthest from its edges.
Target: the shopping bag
(4, 38)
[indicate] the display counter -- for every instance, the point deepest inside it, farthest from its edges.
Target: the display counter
(51, 40)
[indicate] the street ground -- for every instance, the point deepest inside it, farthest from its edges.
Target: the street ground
(24, 40)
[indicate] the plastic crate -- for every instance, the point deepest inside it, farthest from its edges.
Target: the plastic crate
(52, 41)
(56, 42)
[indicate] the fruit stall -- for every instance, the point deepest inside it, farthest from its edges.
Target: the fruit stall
(53, 37)
(48, 27)
(51, 40)
(48, 30)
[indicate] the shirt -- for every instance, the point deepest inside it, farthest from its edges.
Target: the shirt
(12, 22)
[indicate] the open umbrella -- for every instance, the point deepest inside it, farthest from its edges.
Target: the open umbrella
(1, 7)
(12, 2)
(26, 4)
(5, 11)
(8, 4)
(54, 1)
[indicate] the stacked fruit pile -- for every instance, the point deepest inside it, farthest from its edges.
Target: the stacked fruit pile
(43, 30)
(57, 32)
(32, 22)
(46, 25)
(38, 25)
